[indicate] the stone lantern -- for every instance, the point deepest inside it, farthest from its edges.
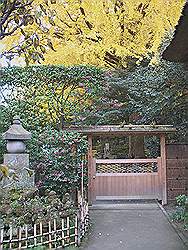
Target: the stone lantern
(15, 136)
(16, 158)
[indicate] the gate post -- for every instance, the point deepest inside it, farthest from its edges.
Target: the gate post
(163, 169)
(90, 163)
(159, 166)
(93, 181)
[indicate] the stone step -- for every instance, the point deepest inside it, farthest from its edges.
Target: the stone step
(124, 206)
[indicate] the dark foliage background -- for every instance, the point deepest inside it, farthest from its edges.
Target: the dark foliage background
(146, 95)
(48, 98)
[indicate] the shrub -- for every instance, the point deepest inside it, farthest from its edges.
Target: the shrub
(57, 158)
(181, 213)
(19, 207)
(181, 199)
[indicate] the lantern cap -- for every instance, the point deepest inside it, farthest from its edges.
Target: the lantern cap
(16, 131)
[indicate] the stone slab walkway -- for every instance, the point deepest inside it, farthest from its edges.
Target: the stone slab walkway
(131, 227)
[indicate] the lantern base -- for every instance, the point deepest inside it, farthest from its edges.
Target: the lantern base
(19, 164)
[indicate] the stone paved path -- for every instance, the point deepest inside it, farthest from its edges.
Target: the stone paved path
(131, 227)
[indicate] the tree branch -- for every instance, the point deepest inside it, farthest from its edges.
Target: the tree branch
(6, 15)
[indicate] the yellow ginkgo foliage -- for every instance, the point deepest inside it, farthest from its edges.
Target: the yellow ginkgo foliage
(4, 171)
(108, 32)
(105, 32)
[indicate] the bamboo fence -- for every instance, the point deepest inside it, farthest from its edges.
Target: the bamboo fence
(56, 233)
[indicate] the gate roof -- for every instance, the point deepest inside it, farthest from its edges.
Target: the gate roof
(111, 130)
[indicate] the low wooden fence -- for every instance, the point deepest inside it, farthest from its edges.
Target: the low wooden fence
(57, 233)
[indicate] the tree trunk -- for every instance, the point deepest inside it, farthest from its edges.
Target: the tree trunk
(136, 147)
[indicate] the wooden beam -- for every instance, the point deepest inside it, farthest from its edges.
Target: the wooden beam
(116, 130)
(116, 161)
(163, 169)
(127, 174)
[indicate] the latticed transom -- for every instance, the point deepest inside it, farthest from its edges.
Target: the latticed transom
(146, 167)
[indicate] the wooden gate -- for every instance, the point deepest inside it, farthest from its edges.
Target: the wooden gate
(118, 182)
(127, 179)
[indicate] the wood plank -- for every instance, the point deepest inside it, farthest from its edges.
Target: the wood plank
(177, 163)
(125, 130)
(177, 173)
(141, 185)
(177, 151)
(126, 174)
(174, 183)
(116, 161)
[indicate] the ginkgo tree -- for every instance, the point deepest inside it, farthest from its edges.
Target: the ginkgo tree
(24, 29)
(103, 32)
(109, 32)
(52, 94)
